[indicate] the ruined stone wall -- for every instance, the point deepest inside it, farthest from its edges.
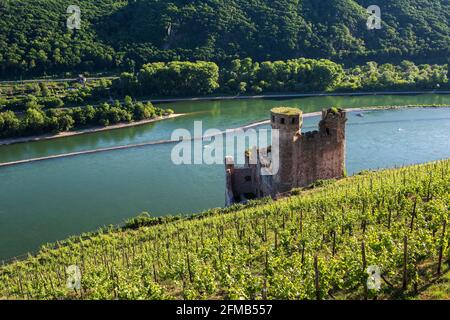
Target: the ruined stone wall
(242, 182)
(263, 184)
(321, 154)
(229, 192)
(318, 156)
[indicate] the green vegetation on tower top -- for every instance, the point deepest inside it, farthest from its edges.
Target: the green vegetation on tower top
(335, 110)
(287, 111)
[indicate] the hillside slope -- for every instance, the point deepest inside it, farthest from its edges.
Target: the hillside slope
(121, 34)
(318, 244)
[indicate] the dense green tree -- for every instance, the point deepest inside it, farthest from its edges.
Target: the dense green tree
(143, 111)
(178, 78)
(60, 123)
(9, 124)
(125, 35)
(405, 76)
(37, 121)
(34, 121)
(127, 84)
(293, 75)
(79, 116)
(89, 114)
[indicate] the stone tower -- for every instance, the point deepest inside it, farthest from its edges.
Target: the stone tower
(303, 157)
(333, 124)
(287, 122)
(320, 155)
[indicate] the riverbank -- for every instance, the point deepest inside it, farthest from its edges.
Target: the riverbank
(294, 95)
(85, 131)
(159, 142)
(283, 96)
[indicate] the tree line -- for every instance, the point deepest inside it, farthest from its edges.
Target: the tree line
(170, 79)
(245, 76)
(241, 76)
(37, 121)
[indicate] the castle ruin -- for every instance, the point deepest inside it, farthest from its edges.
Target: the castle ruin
(303, 157)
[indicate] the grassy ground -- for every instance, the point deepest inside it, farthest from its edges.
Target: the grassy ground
(439, 289)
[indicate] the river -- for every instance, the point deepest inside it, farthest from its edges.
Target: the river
(50, 200)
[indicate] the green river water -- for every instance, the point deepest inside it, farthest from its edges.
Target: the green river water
(50, 200)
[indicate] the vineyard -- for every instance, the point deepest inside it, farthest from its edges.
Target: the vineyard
(324, 242)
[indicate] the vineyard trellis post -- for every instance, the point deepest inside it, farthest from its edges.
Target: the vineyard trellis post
(441, 248)
(316, 277)
(405, 263)
(364, 266)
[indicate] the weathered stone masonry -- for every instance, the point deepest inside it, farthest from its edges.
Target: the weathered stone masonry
(303, 157)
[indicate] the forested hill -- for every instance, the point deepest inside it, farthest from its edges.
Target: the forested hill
(125, 34)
